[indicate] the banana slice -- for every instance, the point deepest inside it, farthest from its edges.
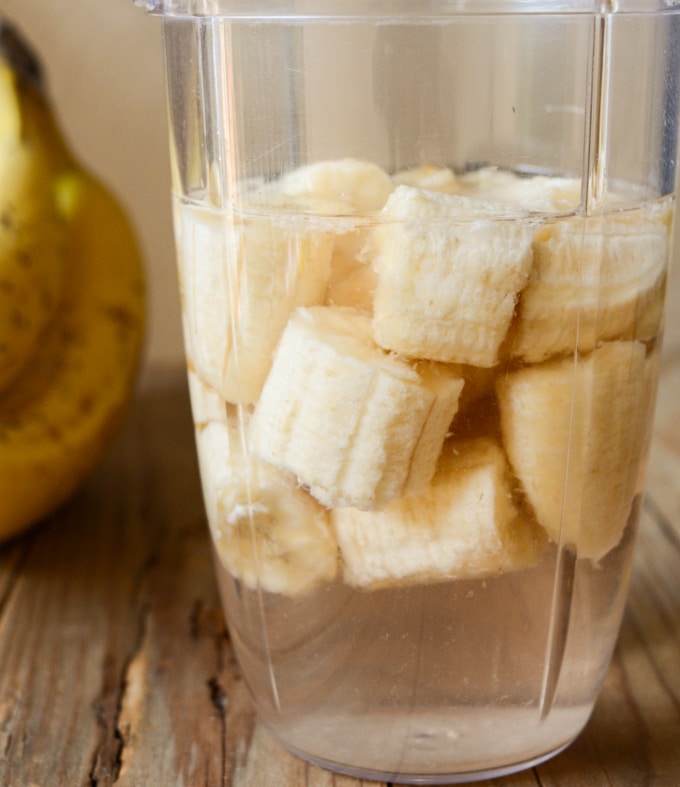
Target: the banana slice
(242, 277)
(464, 525)
(429, 177)
(593, 280)
(354, 186)
(346, 187)
(450, 270)
(267, 531)
(356, 425)
(574, 432)
(540, 193)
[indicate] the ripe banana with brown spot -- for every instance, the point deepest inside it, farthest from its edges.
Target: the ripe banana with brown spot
(66, 390)
(32, 232)
(59, 416)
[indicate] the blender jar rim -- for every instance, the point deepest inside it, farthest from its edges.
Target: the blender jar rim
(395, 11)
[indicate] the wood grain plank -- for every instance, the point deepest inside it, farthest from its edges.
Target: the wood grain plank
(60, 660)
(170, 724)
(100, 608)
(12, 557)
(267, 763)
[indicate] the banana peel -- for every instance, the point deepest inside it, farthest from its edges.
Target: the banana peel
(32, 231)
(64, 399)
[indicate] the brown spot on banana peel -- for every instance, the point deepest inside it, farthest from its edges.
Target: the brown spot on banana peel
(37, 153)
(24, 258)
(20, 320)
(31, 257)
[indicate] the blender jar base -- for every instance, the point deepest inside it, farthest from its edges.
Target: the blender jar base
(400, 777)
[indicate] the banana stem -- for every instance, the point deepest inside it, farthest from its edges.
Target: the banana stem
(16, 51)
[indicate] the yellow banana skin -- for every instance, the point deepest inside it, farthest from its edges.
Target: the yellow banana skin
(60, 415)
(32, 232)
(72, 303)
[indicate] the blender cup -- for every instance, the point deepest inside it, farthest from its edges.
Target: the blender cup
(422, 252)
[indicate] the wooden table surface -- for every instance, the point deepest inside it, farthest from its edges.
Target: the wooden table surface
(115, 666)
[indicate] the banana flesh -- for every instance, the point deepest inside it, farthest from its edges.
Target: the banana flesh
(351, 186)
(356, 426)
(430, 178)
(346, 187)
(471, 342)
(537, 193)
(267, 531)
(242, 277)
(574, 432)
(464, 525)
(460, 261)
(353, 281)
(593, 280)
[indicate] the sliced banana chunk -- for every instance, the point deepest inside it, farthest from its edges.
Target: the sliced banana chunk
(430, 177)
(594, 279)
(450, 270)
(352, 279)
(267, 531)
(242, 277)
(540, 193)
(356, 425)
(355, 186)
(464, 525)
(346, 187)
(574, 431)
(352, 283)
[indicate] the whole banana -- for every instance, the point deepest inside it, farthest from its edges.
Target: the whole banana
(66, 389)
(32, 232)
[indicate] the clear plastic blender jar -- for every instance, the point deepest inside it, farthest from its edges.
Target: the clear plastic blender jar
(422, 253)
